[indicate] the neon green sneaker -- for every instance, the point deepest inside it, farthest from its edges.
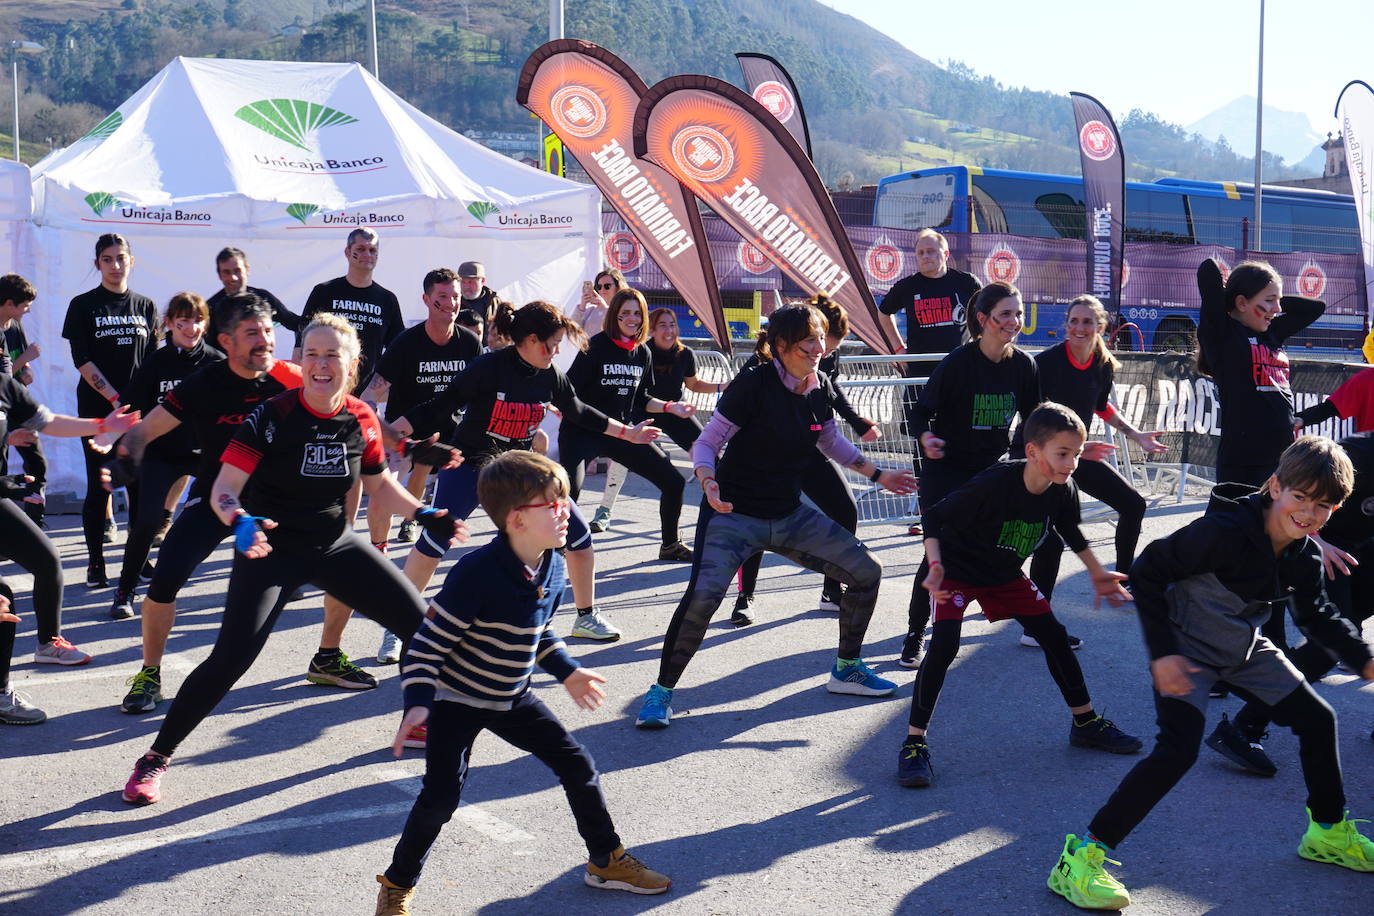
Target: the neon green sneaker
(1342, 845)
(1080, 878)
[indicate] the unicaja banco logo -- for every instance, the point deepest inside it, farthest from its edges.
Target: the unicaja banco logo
(292, 120)
(106, 127)
(301, 212)
(481, 209)
(100, 201)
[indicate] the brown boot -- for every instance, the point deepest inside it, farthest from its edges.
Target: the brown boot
(393, 900)
(626, 873)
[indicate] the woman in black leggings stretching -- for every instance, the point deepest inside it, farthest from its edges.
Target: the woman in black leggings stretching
(304, 450)
(769, 421)
(112, 330)
(168, 458)
(824, 483)
(613, 375)
(962, 419)
(23, 542)
(1078, 373)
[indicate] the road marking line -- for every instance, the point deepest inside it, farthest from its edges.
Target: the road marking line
(485, 823)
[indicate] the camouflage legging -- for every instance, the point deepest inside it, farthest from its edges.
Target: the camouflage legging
(804, 536)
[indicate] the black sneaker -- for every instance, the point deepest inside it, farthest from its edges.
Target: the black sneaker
(830, 602)
(1230, 741)
(1100, 734)
(162, 529)
(914, 769)
(676, 552)
(95, 577)
(146, 573)
(145, 691)
(911, 651)
(1220, 690)
(111, 531)
(740, 616)
(338, 671)
(123, 606)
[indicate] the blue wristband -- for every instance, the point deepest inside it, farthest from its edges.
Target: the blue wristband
(246, 528)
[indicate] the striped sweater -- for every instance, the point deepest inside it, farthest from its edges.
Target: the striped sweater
(488, 627)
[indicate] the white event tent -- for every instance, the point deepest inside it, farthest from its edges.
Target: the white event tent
(283, 160)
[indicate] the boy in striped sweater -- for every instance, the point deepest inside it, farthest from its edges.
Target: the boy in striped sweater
(468, 669)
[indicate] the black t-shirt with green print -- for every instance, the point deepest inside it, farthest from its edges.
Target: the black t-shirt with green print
(970, 402)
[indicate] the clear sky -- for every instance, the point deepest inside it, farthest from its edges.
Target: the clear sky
(1180, 60)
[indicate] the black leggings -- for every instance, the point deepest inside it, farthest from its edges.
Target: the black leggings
(156, 478)
(1180, 734)
(577, 446)
(939, 478)
(944, 646)
(23, 542)
(1101, 480)
(824, 484)
(93, 508)
(193, 537)
(350, 569)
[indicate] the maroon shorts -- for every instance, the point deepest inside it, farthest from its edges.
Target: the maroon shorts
(1018, 598)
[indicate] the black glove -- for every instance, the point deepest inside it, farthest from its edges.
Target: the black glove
(1211, 287)
(123, 471)
(17, 486)
(432, 454)
(440, 527)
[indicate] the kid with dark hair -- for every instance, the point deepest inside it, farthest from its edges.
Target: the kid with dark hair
(1243, 322)
(984, 531)
(468, 670)
(1202, 594)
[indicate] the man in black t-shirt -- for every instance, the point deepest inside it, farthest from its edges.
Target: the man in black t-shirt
(935, 301)
(418, 365)
(371, 308)
(478, 299)
(232, 266)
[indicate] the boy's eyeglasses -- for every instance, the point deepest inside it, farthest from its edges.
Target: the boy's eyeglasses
(553, 508)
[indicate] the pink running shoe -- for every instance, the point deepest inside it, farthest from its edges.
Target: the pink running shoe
(59, 652)
(417, 737)
(145, 786)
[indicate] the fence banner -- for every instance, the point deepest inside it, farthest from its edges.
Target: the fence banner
(772, 87)
(1104, 191)
(588, 97)
(734, 155)
(739, 266)
(1355, 111)
(1164, 391)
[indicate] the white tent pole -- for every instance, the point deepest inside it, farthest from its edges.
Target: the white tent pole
(1255, 244)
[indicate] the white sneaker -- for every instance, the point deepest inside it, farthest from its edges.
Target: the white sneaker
(1029, 642)
(389, 653)
(592, 625)
(15, 709)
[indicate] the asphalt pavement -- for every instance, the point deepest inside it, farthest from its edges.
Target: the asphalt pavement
(767, 795)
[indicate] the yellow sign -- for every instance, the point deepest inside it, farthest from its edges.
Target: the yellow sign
(553, 155)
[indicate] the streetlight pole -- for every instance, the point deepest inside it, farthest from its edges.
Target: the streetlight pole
(372, 36)
(18, 47)
(1259, 137)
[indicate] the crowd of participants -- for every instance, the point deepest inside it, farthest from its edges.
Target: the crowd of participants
(280, 454)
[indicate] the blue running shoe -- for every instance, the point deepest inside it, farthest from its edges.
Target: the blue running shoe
(656, 711)
(859, 680)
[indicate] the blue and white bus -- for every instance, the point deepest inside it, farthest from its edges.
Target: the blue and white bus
(960, 199)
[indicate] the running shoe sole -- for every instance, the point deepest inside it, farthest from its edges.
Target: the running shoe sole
(604, 885)
(858, 688)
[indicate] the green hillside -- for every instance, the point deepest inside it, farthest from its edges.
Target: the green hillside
(874, 106)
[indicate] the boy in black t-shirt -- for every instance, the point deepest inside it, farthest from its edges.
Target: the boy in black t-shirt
(984, 531)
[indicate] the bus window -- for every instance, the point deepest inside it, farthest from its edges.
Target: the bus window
(919, 202)
(1156, 216)
(1321, 226)
(1217, 220)
(1033, 206)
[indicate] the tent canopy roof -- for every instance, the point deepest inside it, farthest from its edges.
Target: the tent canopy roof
(257, 147)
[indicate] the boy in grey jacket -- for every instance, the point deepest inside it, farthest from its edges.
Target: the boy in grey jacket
(1202, 593)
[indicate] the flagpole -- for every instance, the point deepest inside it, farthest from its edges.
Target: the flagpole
(1259, 139)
